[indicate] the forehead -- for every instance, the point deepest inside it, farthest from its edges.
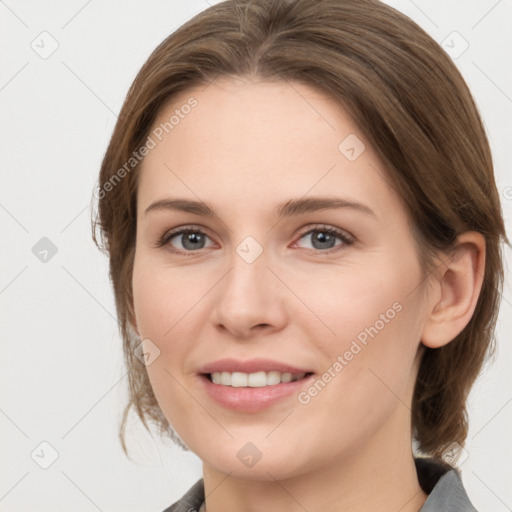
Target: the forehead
(256, 140)
(234, 116)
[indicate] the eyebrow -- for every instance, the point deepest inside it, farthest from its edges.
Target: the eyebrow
(287, 209)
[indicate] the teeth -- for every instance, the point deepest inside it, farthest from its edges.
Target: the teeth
(253, 380)
(256, 380)
(238, 380)
(273, 378)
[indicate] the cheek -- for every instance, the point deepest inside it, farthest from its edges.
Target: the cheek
(168, 312)
(368, 352)
(366, 383)
(354, 301)
(164, 297)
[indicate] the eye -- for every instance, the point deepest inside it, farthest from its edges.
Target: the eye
(325, 237)
(191, 239)
(185, 240)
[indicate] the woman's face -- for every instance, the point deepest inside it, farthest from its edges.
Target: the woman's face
(270, 280)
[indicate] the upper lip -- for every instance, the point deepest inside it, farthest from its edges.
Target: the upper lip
(250, 366)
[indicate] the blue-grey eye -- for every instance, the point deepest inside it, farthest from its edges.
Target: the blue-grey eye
(324, 238)
(190, 240)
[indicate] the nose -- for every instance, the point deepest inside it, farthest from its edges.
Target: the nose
(250, 300)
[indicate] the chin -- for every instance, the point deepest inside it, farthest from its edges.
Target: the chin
(249, 461)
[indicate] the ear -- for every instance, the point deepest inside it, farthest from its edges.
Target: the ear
(456, 289)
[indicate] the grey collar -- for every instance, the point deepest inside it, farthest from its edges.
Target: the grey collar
(444, 487)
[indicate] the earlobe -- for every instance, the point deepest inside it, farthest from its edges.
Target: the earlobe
(458, 285)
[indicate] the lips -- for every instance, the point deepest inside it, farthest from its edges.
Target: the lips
(252, 385)
(251, 366)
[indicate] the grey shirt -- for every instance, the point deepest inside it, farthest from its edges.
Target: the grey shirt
(441, 482)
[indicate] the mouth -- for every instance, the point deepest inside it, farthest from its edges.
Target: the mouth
(252, 385)
(259, 379)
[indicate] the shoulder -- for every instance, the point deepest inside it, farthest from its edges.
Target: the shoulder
(444, 487)
(191, 501)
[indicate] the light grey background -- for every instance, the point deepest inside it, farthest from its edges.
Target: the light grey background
(62, 376)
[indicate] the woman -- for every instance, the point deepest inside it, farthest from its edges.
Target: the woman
(299, 206)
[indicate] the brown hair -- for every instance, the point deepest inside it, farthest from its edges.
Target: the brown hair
(412, 105)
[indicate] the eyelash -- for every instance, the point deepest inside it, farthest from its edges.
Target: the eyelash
(347, 240)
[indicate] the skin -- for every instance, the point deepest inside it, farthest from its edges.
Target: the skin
(247, 147)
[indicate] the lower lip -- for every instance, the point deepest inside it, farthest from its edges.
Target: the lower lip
(252, 399)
